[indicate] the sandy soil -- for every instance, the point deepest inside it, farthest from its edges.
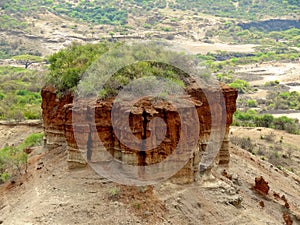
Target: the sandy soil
(284, 72)
(14, 135)
(270, 141)
(290, 115)
(194, 47)
(257, 75)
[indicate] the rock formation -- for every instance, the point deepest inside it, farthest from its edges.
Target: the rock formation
(54, 117)
(287, 219)
(93, 122)
(261, 185)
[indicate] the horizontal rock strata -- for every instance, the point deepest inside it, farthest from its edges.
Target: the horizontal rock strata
(142, 133)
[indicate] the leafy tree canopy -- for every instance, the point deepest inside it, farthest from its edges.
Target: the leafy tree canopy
(118, 67)
(27, 60)
(67, 65)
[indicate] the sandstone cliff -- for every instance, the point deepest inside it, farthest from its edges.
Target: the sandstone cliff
(92, 123)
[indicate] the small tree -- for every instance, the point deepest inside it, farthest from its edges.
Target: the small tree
(27, 60)
(276, 35)
(112, 34)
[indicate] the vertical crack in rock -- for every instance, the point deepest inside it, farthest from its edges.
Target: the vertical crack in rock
(142, 152)
(115, 143)
(89, 145)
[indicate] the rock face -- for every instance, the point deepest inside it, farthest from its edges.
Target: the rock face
(54, 117)
(80, 126)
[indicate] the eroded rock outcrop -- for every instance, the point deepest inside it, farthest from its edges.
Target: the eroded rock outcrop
(93, 123)
(54, 116)
(261, 185)
(287, 219)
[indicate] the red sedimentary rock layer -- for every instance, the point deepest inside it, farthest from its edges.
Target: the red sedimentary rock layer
(80, 126)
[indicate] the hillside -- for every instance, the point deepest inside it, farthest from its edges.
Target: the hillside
(51, 194)
(117, 12)
(42, 27)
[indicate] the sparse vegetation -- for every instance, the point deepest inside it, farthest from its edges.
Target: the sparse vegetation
(279, 36)
(270, 137)
(114, 11)
(113, 193)
(20, 93)
(284, 100)
(224, 62)
(272, 83)
(13, 158)
(33, 28)
(269, 147)
(251, 103)
(244, 143)
(252, 119)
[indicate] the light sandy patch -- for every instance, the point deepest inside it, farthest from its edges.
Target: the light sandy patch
(290, 115)
(259, 94)
(283, 72)
(203, 48)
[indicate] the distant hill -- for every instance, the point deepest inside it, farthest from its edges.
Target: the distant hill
(41, 27)
(117, 12)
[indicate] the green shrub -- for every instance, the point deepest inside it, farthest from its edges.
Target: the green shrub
(251, 103)
(12, 158)
(4, 177)
(32, 140)
(284, 100)
(22, 97)
(265, 120)
(252, 119)
(248, 115)
(113, 193)
(241, 85)
(167, 29)
(271, 83)
(1, 96)
(11, 161)
(288, 124)
(68, 65)
(147, 26)
(226, 78)
(145, 70)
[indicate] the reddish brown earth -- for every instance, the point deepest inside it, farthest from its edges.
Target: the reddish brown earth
(93, 122)
(261, 185)
(54, 116)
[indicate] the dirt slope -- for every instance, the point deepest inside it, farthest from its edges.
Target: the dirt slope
(12, 134)
(51, 194)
